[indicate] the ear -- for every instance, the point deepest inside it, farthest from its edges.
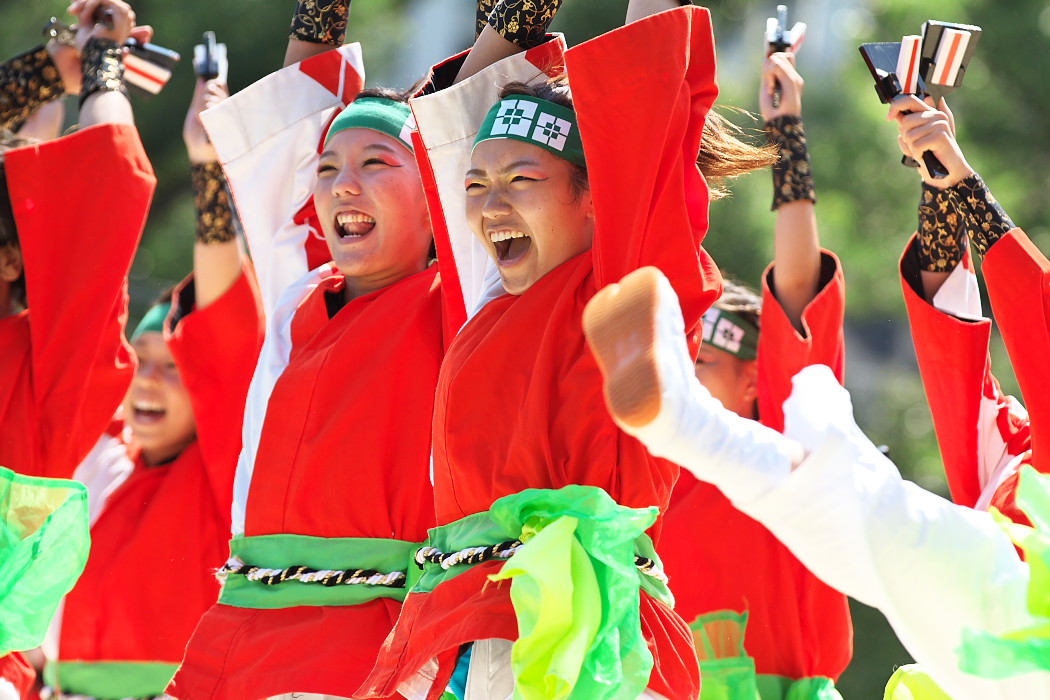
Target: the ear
(749, 381)
(10, 263)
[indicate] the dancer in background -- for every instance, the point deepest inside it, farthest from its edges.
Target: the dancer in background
(984, 435)
(161, 481)
(752, 606)
(58, 396)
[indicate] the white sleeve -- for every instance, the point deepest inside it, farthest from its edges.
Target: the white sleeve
(931, 567)
(268, 137)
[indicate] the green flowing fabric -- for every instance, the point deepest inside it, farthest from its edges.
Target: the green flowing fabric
(44, 544)
(1028, 649)
(574, 587)
(913, 683)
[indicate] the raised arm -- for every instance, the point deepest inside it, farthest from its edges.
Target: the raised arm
(796, 243)
(642, 95)
(505, 28)
(103, 96)
(317, 26)
(97, 183)
(217, 254)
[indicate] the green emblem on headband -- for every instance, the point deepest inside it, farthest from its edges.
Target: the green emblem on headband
(731, 332)
(535, 121)
(380, 114)
(153, 321)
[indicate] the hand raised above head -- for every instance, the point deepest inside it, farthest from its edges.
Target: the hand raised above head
(923, 128)
(206, 95)
(106, 19)
(779, 73)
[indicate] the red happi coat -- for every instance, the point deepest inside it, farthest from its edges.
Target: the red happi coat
(984, 435)
(337, 425)
(162, 531)
(519, 401)
(16, 670)
(720, 560)
(80, 203)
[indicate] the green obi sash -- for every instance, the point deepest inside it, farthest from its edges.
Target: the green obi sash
(44, 544)
(578, 562)
(285, 571)
(728, 673)
(110, 679)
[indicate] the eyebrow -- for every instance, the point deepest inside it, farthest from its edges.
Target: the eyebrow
(526, 162)
(369, 147)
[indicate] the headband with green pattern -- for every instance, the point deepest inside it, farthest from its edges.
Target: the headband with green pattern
(731, 332)
(535, 121)
(380, 114)
(153, 321)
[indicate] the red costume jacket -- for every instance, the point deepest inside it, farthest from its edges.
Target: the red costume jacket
(985, 435)
(66, 365)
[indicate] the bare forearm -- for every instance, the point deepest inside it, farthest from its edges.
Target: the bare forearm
(317, 26)
(488, 49)
(796, 258)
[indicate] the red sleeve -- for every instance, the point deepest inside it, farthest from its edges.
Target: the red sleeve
(783, 351)
(641, 95)
(977, 426)
(80, 203)
(1018, 274)
(216, 350)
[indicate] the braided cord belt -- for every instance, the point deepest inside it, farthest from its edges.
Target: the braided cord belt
(304, 574)
(505, 550)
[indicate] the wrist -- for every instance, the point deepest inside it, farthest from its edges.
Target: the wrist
(214, 213)
(940, 236)
(984, 218)
(320, 21)
(792, 174)
(102, 62)
(524, 25)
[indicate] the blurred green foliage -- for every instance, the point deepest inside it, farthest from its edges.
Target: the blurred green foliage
(867, 200)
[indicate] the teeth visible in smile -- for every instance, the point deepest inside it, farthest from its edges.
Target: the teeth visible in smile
(497, 236)
(147, 406)
(354, 218)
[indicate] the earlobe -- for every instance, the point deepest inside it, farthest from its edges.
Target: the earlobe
(10, 263)
(751, 380)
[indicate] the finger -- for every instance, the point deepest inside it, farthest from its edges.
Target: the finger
(142, 33)
(905, 103)
(943, 107)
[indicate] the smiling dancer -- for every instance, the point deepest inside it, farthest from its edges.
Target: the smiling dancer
(322, 542)
(161, 481)
(554, 497)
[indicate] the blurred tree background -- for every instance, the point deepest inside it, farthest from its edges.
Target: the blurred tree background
(867, 200)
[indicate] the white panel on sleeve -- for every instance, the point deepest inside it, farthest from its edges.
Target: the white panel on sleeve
(267, 138)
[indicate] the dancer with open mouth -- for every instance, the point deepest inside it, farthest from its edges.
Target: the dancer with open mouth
(547, 512)
(332, 492)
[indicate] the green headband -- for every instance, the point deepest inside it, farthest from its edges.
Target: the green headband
(731, 332)
(380, 114)
(153, 321)
(535, 121)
